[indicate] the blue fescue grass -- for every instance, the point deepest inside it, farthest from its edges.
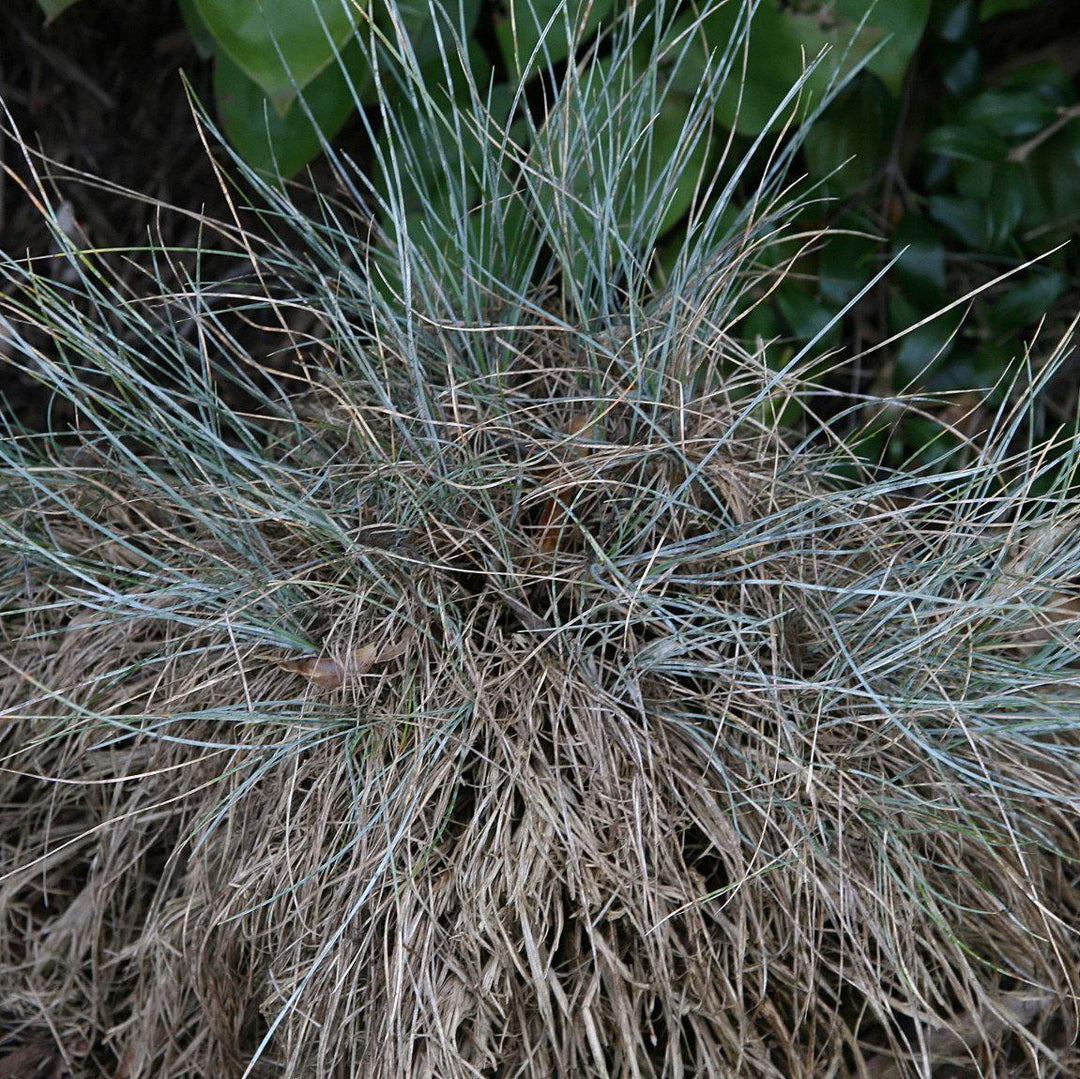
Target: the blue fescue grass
(632, 740)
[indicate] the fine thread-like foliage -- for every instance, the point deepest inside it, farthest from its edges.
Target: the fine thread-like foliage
(480, 680)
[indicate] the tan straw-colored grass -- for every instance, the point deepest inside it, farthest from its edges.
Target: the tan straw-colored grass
(444, 652)
(636, 747)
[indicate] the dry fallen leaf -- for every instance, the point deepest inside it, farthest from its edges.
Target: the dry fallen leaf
(330, 673)
(322, 670)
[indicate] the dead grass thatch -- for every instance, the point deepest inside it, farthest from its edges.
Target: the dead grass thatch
(487, 683)
(627, 744)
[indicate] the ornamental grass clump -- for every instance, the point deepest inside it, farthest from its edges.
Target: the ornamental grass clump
(477, 679)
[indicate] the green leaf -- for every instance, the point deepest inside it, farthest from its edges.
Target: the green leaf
(426, 35)
(280, 146)
(991, 8)
(805, 316)
(627, 174)
(667, 135)
(620, 172)
(52, 8)
(900, 24)
(962, 73)
(761, 323)
(920, 269)
(433, 154)
(924, 348)
(992, 360)
(784, 42)
(964, 218)
(939, 173)
(853, 134)
(1054, 168)
(954, 20)
(780, 47)
(965, 142)
(1026, 302)
(926, 443)
(847, 263)
(539, 33)
(1011, 114)
(1046, 79)
(973, 178)
(462, 238)
(280, 44)
(1006, 203)
(201, 38)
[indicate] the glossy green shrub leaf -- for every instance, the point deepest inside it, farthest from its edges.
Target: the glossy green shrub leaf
(899, 25)
(434, 162)
(1054, 168)
(1006, 203)
(992, 8)
(783, 42)
(462, 251)
(1009, 113)
(638, 172)
(869, 444)
(923, 349)
(1046, 79)
(280, 44)
(435, 172)
(963, 72)
(426, 37)
(1026, 302)
(938, 173)
(52, 8)
(852, 136)
(954, 20)
(201, 38)
(667, 135)
(965, 142)
(805, 316)
(965, 218)
(973, 178)
(991, 361)
(920, 267)
(280, 146)
(761, 323)
(535, 34)
(779, 49)
(926, 444)
(1008, 192)
(848, 261)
